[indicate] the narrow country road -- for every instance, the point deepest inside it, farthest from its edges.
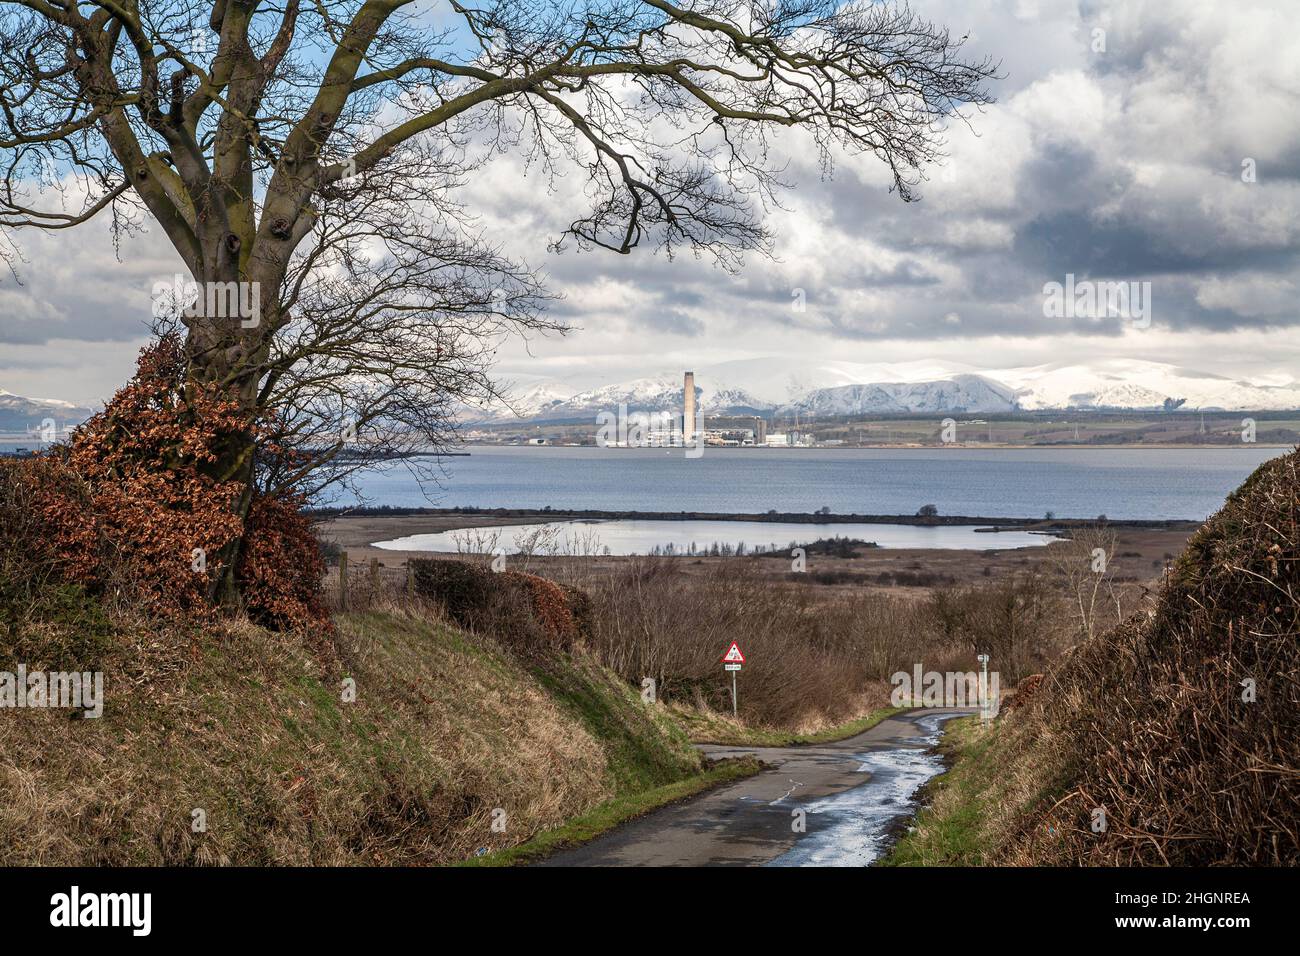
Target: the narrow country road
(846, 795)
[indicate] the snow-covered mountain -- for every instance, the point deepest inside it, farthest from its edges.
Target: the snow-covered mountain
(536, 401)
(831, 388)
(961, 393)
(21, 416)
(924, 387)
(1135, 383)
(778, 381)
(544, 401)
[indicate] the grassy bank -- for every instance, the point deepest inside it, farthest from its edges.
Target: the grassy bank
(235, 745)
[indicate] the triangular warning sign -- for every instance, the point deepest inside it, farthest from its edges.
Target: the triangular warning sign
(733, 655)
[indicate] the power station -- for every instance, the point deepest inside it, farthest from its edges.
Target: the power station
(688, 409)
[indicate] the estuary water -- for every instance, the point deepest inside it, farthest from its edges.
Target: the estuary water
(1138, 483)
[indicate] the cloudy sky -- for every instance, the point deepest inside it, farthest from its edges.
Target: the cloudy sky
(1117, 163)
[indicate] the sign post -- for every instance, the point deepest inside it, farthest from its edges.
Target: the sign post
(984, 689)
(731, 661)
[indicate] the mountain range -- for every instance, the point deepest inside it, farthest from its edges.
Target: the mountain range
(822, 389)
(23, 416)
(923, 387)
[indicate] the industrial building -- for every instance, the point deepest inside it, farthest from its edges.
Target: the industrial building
(735, 430)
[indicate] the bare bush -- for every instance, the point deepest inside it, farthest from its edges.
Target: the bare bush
(1015, 620)
(813, 657)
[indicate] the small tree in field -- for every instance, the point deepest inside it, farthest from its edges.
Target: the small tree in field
(1084, 563)
(306, 157)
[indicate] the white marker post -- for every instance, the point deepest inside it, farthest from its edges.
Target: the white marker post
(732, 661)
(984, 688)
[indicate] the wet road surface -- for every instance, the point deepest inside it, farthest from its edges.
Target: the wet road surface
(846, 795)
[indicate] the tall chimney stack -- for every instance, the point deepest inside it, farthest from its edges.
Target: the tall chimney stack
(688, 410)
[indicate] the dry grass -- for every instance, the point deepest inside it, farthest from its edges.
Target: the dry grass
(250, 727)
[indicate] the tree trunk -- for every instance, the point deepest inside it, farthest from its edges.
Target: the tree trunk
(225, 589)
(226, 351)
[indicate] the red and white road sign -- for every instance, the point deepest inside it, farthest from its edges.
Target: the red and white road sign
(733, 655)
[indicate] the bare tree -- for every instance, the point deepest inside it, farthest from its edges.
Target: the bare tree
(1084, 563)
(312, 152)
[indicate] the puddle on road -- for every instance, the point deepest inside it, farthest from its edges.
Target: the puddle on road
(852, 828)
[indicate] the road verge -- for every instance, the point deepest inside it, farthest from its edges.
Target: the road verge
(615, 812)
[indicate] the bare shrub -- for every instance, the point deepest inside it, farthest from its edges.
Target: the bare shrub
(813, 657)
(1014, 619)
(519, 610)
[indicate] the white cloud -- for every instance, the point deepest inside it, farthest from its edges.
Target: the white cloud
(1125, 162)
(1250, 294)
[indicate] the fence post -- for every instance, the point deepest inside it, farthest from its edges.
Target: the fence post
(343, 580)
(410, 577)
